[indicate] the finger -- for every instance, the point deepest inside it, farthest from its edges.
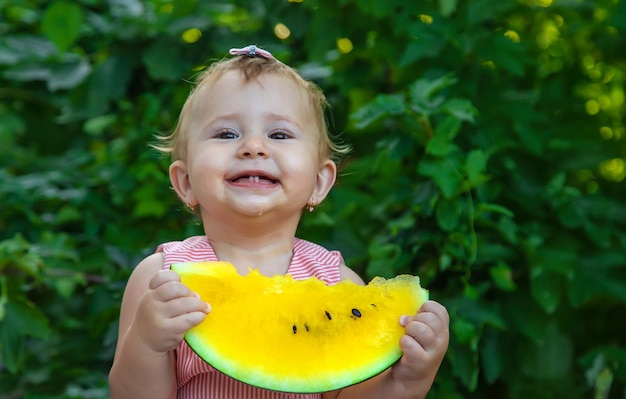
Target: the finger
(423, 317)
(423, 334)
(431, 313)
(184, 305)
(427, 329)
(431, 320)
(413, 352)
(173, 290)
(437, 309)
(162, 277)
(184, 322)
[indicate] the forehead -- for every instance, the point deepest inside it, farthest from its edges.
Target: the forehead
(231, 89)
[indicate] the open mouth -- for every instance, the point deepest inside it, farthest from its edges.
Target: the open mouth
(258, 179)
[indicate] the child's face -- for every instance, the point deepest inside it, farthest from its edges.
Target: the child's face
(252, 148)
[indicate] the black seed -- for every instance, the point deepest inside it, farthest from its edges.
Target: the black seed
(373, 304)
(328, 316)
(356, 312)
(295, 329)
(306, 327)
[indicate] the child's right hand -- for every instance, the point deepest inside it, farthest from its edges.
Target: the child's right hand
(166, 311)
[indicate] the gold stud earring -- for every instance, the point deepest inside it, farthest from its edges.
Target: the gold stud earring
(191, 206)
(310, 206)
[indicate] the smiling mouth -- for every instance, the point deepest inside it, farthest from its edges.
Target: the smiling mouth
(255, 179)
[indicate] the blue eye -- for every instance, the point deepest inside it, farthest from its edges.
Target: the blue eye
(279, 135)
(226, 135)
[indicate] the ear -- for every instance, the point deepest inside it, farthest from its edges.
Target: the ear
(326, 176)
(179, 177)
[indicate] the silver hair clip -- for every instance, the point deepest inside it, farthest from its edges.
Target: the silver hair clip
(251, 51)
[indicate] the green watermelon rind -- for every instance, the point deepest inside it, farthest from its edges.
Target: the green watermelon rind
(263, 380)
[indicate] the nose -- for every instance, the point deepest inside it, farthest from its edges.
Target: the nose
(253, 146)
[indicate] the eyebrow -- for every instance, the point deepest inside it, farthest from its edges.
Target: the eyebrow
(227, 117)
(268, 115)
(283, 118)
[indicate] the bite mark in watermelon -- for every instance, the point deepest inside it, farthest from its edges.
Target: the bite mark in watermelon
(299, 336)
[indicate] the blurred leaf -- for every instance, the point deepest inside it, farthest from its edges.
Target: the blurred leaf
(495, 208)
(422, 93)
(447, 7)
(491, 355)
(465, 331)
(18, 253)
(404, 222)
(502, 276)
(547, 289)
(62, 22)
(382, 255)
(28, 73)
(478, 312)
(96, 126)
(590, 283)
(127, 8)
(602, 356)
(465, 365)
(66, 285)
(475, 165)
(67, 214)
(448, 128)
(448, 214)
(383, 105)
(22, 47)
(439, 147)
(11, 348)
(525, 316)
(110, 78)
(445, 174)
(425, 43)
(21, 319)
(505, 54)
(617, 19)
(163, 61)
(553, 357)
(460, 108)
(529, 138)
(68, 75)
(148, 203)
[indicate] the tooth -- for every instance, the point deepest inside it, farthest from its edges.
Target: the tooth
(256, 179)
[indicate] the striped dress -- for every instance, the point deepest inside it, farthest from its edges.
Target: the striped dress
(198, 380)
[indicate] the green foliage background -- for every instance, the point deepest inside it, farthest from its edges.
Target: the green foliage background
(489, 159)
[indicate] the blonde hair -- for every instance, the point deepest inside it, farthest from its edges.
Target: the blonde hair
(251, 69)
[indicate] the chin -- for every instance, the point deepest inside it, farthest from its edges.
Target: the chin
(258, 210)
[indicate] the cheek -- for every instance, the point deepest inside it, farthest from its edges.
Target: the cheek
(302, 163)
(205, 168)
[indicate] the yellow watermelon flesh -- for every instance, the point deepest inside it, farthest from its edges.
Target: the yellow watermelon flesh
(298, 336)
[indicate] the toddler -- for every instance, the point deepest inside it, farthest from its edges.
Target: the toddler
(250, 153)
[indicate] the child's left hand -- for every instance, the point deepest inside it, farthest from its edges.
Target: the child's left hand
(424, 345)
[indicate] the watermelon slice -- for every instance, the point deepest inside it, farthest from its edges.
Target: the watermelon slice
(298, 336)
